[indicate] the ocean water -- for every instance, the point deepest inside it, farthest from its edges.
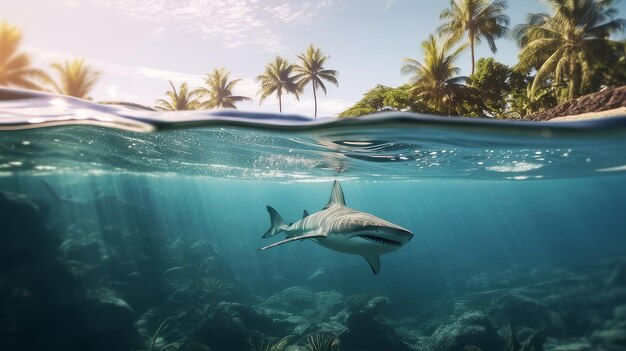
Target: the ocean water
(125, 229)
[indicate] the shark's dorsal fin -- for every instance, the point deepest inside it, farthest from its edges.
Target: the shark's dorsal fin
(305, 214)
(374, 262)
(336, 196)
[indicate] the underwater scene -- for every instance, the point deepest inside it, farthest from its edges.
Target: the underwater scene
(124, 229)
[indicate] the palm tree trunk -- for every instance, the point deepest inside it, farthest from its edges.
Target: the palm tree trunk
(574, 87)
(315, 98)
(473, 59)
(280, 104)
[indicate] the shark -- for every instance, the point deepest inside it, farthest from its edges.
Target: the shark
(343, 229)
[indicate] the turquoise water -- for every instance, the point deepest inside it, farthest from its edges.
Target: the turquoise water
(134, 230)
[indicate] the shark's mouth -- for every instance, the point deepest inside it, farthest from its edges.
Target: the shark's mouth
(380, 240)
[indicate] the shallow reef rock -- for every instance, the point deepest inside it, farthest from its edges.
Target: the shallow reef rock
(315, 306)
(618, 278)
(367, 331)
(25, 239)
(471, 329)
(105, 323)
(43, 305)
(232, 324)
(524, 311)
(612, 336)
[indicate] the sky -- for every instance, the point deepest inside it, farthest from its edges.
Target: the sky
(139, 45)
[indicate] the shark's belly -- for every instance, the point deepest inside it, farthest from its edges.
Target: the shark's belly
(354, 246)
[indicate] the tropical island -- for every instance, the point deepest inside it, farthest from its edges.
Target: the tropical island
(565, 53)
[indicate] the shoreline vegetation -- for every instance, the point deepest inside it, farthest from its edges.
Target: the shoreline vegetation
(565, 53)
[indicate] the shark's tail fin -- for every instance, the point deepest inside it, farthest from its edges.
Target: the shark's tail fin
(278, 224)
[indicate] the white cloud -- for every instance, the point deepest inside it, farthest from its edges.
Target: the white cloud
(159, 31)
(235, 23)
(139, 73)
(72, 3)
(299, 13)
(389, 3)
(115, 94)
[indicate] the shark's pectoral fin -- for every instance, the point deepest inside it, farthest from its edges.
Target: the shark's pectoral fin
(374, 262)
(301, 237)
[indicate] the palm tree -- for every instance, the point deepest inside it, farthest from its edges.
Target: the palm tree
(219, 90)
(179, 100)
(563, 46)
(15, 69)
(434, 79)
(477, 18)
(278, 79)
(75, 78)
(311, 70)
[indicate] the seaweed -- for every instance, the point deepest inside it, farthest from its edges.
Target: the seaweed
(158, 342)
(269, 344)
(323, 342)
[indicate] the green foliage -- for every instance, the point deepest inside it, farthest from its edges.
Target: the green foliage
(434, 80)
(564, 45)
(521, 101)
(278, 79)
(478, 19)
(75, 79)
(218, 90)
(311, 70)
(383, 99)
(491, 79)
(609, 75)
(15, 68)
(178, 100)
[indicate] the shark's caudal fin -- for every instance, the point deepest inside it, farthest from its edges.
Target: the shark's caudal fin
(278, 224)
(374, 262)
(336, 196)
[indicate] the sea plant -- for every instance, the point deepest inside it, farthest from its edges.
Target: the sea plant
(266, 344)
(323, 342)
(154, 346)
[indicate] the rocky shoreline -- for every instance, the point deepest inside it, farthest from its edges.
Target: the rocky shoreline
(607, 100)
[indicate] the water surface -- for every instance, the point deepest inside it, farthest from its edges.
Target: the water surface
(116, 221)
